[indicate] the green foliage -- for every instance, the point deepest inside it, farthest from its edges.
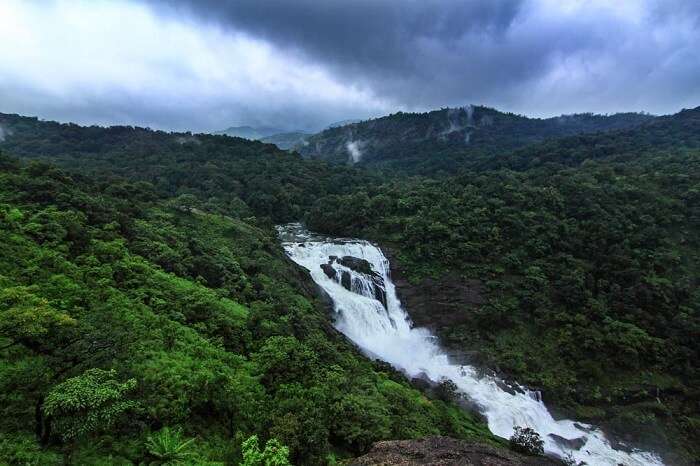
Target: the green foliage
(158, 260)
(27, 318)
(207, 323)
(87, 403)
(526, 440)
(441, 142)
(274, 454)
(22, 449)
(168, 446)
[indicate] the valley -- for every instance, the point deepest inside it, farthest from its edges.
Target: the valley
(143, 251)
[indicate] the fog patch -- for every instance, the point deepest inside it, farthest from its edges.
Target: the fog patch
(458, 119)
(354, 149)
(469, 110)
(187, 140)
(486, 120)
(4, 132)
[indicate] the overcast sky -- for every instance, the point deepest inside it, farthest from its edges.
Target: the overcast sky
(206, 65)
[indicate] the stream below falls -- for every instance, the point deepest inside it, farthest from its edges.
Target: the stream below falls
(355, 274)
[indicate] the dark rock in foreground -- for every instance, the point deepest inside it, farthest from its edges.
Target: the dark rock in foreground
(445, 451)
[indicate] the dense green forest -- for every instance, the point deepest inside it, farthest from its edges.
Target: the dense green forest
(132, 322)
(152, 255)
(235, 176)
(441, 141)
(591, 248)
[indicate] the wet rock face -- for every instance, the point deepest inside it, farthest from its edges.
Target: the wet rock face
(445, 451)
(346, 280)
(329, 271)
(360, 266)
(357, 264)
(574, 444)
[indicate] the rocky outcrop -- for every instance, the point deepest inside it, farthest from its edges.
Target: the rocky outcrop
(573, 444)
(360, 266)
(329, 271)
(357, 264)
(445, 451)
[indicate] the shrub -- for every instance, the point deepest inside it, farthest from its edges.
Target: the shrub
(274, 454)
(168, 446)
(526, 440)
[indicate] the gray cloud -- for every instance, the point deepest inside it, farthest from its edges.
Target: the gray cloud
(205, 64)
(533, 56)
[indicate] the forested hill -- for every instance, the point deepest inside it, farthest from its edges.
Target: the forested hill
(441, 139)
(587, 244)
(671, 135)
(234, 175)
(590, 247)
(142, 329)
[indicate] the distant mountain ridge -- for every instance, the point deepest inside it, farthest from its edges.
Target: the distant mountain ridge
(250, 132)
(287, 140)
(406, 139)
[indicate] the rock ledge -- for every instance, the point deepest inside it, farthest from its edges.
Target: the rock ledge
(444, 451)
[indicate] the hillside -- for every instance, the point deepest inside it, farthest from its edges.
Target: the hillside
(286, 141)
(283, 139)
(236, 176)
(253, 133)
(426, 143)
(590, 248)
(130, 322)
(671, 135)
(586, 244)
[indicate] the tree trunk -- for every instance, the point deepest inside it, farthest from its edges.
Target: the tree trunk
(43, 425)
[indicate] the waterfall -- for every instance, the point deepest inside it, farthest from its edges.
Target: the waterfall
(385, 331)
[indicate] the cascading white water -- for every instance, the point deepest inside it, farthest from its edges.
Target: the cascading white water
(387, 333)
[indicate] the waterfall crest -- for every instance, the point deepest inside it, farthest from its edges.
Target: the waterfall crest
(384, 330)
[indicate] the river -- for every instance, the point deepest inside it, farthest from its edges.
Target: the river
(370, 314)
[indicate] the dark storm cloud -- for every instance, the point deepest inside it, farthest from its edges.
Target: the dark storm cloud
(369, 35)
(528, 55)
(395, 47)
(205, 64)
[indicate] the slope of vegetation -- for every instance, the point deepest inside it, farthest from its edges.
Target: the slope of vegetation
(234, 176)
(131, 323)
(442, 141)
(596, 258)
(586, 244)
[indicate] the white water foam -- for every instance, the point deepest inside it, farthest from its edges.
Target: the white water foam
(387, 333)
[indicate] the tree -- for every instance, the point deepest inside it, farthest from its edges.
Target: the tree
(274, 454)
(448, 391)
(527, 440)
(26, 318)
(89, 402)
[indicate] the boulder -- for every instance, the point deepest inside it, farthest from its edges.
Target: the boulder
(357, 264)
(573, 444)
(445, 451)
(346, 280)
(360, 266)
(329, 271)
(422, 382)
